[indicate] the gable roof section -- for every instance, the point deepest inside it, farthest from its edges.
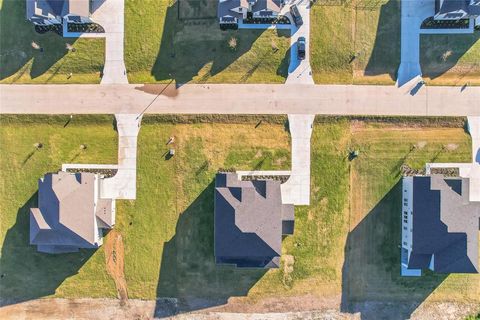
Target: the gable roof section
(445, 224)
(456, 9)
(226, 8)
(270, 5)
(65, 213)
(248, 221)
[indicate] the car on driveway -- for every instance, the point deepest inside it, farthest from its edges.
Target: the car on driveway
(297, 18)
(301, 48)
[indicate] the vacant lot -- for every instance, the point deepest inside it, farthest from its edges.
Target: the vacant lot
(159, 46)
(345, 243)
(21, 63)
(355, 42)
(359, 42)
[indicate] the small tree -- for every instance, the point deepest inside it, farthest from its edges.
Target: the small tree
(232, 43)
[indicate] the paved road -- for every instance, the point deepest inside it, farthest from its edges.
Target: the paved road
(239, 99)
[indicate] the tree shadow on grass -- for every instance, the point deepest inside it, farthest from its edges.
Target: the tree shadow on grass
(188, 272)
(440, 53)
(198, 48)
(16, 37)
(385, 56)
(27, 274)
(371, 281)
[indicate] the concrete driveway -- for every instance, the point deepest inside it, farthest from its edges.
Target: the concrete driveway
(299, 71)
(413, 14)
(110, 15)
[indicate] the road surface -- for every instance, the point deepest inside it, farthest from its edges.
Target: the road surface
(239, 99)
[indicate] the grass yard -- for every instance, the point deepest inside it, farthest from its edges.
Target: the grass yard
(159, 46)
(345, 243)
(357, 42)
(28, 274)
(372, 262)
(451, 59)
(21, 63)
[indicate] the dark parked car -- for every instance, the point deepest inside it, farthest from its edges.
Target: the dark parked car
(301, 48)
(297, 18)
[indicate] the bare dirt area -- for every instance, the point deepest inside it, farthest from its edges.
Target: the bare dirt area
(84, 309)
(114, 260)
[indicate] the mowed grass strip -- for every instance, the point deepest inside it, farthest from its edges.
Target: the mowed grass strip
(27, 274)
(159, 46)
(22, 63)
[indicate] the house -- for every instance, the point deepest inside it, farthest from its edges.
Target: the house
(54, 12)
(440, 226)
(231, 12)
(70, 213)
(456, 9)
(250, 220)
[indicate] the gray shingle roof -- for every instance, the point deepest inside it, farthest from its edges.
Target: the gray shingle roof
(66, 215)
(249, 218)
(445, 224)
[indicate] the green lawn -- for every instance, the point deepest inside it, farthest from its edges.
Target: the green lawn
(451, 59)
(357, 42)
(159, 46)
(21, 63)
(345, 243)
(29, 274)
(372, 254)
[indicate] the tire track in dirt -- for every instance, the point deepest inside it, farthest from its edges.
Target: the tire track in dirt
(114, 260)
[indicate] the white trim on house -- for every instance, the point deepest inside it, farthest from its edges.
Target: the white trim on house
(407, 227)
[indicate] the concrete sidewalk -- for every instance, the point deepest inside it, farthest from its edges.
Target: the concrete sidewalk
(239, 99)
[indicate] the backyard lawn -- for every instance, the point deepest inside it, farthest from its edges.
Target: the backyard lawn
(22, 63)
(159, 46)
(345, 243)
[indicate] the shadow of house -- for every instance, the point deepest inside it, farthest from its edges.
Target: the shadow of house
(197, 46)
(27, 274)
(16, 37)
(188, 272)
(440, 53)
(385, 56)
(371, 281)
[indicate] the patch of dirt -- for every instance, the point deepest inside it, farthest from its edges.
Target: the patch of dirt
(114, 259)
(356, 125)
(259, 154)
(451, 146)
(280, 161)
(288, 262)
(420, 145)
